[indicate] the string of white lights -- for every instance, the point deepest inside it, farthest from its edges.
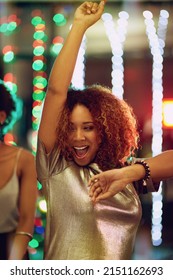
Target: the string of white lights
(157, 42)
(78, 78)
(116, 39)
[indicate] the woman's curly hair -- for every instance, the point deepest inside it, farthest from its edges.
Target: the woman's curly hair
(12, 105)
(7, 103)
(114, 120)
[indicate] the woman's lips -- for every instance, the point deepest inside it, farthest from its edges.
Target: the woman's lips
(80, 152)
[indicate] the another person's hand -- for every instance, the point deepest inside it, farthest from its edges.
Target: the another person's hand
(107, 184)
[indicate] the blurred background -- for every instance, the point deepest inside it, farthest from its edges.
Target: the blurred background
(130, 50)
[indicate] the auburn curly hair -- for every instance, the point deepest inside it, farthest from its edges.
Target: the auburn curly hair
(114, 120)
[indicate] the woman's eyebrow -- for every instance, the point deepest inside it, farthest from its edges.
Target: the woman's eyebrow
(89, 122)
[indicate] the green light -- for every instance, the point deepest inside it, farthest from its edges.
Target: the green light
(38, 35)
(35, 126)
(39, 186)
(37, 256)
(36, 20)
(14, 89)
(12, 26)
(38, 96)
(33, 243)
(38, 237)
(56, 48)
(59, 19)
(38, 50)
(40, 80)
(37, 65)
(8, 57)
(36, 112)
(3, 27)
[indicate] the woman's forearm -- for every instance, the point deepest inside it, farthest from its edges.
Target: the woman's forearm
(18, 248)
(161, 166)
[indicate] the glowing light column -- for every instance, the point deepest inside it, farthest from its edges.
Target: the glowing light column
(8, 26)
(116, 39)
(157, 43)
(78, 78)
(39, 72)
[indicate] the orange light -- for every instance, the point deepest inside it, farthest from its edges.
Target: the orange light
(167, 113)
(9, 139)
(9, 77)
(58, 39)
(7, 48)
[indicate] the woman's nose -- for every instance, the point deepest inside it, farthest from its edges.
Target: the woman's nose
(79, 135)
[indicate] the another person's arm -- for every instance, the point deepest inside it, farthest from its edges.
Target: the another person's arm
(27, 206)
(60, 77)
(108, 183)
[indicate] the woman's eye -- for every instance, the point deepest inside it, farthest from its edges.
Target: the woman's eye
(89, 128)
(72, 128)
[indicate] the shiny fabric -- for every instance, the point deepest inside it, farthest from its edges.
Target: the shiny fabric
(76, 229)
(9, 195)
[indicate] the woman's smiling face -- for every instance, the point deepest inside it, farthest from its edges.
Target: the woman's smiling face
(83, 138)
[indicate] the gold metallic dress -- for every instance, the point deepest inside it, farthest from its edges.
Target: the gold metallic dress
(75, 228)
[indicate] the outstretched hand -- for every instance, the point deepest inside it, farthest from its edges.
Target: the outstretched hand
(106, 184)
(89, 13)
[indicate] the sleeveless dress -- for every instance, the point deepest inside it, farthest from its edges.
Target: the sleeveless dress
(9, 214)
(75, 228)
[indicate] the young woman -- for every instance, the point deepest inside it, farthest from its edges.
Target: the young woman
(84, 132)
(18, 189)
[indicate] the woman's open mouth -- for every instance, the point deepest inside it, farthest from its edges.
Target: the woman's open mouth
(80, 152)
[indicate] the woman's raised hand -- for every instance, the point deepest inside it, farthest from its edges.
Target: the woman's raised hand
(89, 13)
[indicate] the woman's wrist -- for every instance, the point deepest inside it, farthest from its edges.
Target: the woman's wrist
(80, 25)
(133, 173)
(146, 167)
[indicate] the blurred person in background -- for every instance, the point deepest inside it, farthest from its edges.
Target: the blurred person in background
(18, 188)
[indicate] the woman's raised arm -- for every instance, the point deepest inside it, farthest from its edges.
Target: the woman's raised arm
(61, 74)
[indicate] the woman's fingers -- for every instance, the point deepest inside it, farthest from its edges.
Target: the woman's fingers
(94, 8)
(102, 196)
(96, 193)
(93, 184)
(91, 7)
(93, 180)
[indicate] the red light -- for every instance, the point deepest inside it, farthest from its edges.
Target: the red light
(14, 18)
(58, 39)
(36, 103)
(37, 43)
(36, 13)
(7, 48)
(41, 57)
(9, 77)
(9, 139)
(167, 113)
(38, 222)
